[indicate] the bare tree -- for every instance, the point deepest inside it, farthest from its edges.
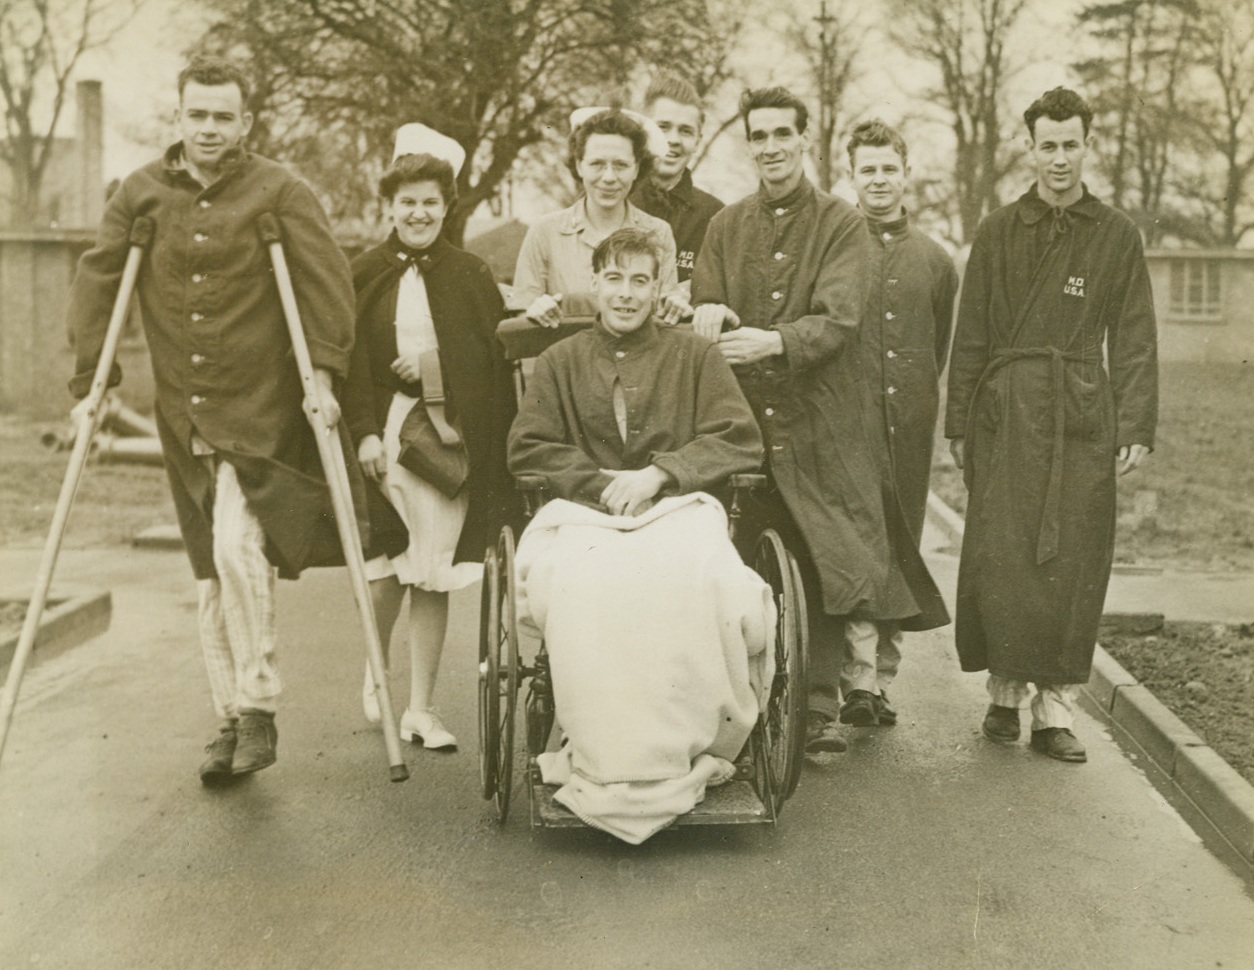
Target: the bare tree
(829, 43)
(1227, 43)
(41, 42)
(966, 41)
(336, 77)
(1143, 52)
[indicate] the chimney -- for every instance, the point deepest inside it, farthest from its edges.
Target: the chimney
(90, 103)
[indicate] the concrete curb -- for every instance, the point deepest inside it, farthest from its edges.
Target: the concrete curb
(73, 616)
(1212, 787)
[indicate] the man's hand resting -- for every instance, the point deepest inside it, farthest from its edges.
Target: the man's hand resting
(632, 491)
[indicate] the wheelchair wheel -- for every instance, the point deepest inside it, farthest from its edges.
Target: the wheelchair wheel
(498, 673)
(783, 722)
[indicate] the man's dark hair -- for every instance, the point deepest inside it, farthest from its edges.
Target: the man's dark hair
(876, 134)
(419, 168)
(755, 98)
(1058, 105)
(614, 249)
(674, 88)
(213, 71)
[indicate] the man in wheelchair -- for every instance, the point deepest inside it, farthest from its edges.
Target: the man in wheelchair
(658, 636)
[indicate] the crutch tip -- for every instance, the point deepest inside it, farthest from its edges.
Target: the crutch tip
(400, 773)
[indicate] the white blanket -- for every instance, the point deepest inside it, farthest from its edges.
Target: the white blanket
(661, 646)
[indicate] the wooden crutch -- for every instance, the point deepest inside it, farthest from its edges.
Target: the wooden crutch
(331, 452)
(141, 236)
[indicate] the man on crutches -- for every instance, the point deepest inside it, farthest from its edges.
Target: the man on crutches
(251, 497)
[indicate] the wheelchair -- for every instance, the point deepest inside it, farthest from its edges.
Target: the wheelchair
(769, 766)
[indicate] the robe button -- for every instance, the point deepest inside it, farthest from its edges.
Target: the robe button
(892, 390)
(887, 236)
(770, 412)
(205, 203)
(196, 399)
(777, 295)
(890, 355)
(780, 212)
(196, 277)
(199, 237)
(621, 354)
(197, 317)
(890, 315)
(198, 359)
(779, 256)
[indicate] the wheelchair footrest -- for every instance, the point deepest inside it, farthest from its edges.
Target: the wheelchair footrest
(735, 803)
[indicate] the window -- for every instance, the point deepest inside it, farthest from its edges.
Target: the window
(1195, 290)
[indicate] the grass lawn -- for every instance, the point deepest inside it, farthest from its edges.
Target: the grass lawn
(1201, 471)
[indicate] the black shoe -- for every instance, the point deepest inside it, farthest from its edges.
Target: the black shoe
(254, 747)
(859, 709)
(821, 735)
(216, 769)
(884, 711)
(1058, 743)
(1001, 723)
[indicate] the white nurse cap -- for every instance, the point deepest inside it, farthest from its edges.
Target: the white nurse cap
(418, 139)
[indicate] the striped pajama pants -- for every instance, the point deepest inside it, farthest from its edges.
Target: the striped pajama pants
(1053, 705)
(236, 615)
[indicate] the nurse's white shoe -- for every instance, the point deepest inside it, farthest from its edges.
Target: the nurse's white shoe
(425, 726)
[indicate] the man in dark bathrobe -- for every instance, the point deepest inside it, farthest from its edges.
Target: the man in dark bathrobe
(1041, 425)
(902, 346)
(780, 282)
(240, 454)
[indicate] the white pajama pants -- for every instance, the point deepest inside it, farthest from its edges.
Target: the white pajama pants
(1053, 705)
(872, 654)
(237, 629)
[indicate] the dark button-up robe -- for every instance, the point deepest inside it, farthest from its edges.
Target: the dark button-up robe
(903, 344)
(686, 209)
(1047, 295)
(466, 306)
(797, 265)
(221, 355)
(684, 413)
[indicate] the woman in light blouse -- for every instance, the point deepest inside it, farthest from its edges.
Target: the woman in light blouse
(609, 151)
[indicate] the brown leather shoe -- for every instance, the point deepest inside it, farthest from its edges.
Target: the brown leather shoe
(255, 742)
(215, 770)
(1058, 743)
(859, 709)
(822, 736)
(1001, 723)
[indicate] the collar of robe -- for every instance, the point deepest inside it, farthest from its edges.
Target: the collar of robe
(642, 337)
(680, 194)
(174, 162)
(793, 200)
(1032, 209)
(895, 227)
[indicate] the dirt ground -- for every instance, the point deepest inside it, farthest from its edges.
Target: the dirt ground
(1204, 672)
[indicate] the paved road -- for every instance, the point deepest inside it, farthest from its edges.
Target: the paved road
(923, 847)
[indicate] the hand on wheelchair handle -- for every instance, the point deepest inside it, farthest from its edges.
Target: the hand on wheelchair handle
(546, 310)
